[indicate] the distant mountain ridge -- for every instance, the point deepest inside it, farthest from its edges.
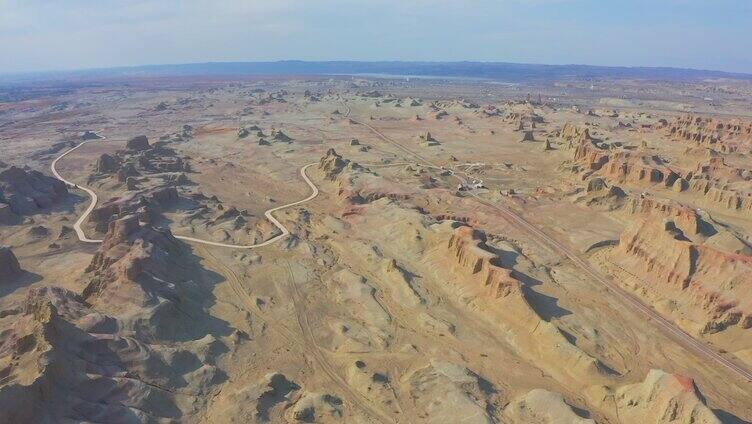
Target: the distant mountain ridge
(486, 70)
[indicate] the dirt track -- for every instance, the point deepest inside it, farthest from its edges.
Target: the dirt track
(269, 213)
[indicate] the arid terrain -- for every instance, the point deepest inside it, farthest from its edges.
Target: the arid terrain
(376, 250)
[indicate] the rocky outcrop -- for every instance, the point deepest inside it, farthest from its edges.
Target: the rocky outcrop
(719, 193)
(467, 246)
(146, 205)
(30, 390)
(185, 133)
(574, 135)
(542, 407)
(374, 94)
(178, 179)
(24, 192)
(489, 111)
(95, 360)
(719, 184)
(484, 284)
(623, 166)
(138, 143)
(660, 398)
(126, 171)
(7, 216)
(278, 135)
(357, 184)
(716, 168)
(600, 194)
(629, 167)
(131, 184)
(132, 252)
(160, 159)
(155, 159)
(707, 285)
(439, 115)
(317, 407)
(426, 139)
(145, 276)
(447, 392)
(523, 120)
(333, 164)
(9, 266)
(154, 179)
(727, 136)
(275, 398)
(89, 135)
(107, 164)
(527, 136)
(596, 184)
(726, 198)
(687, 219)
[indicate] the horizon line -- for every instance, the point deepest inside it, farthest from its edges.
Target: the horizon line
(116, 68)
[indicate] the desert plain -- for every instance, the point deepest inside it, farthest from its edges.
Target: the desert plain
(376, 250)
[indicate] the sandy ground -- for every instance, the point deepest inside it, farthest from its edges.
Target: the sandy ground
(375, 308)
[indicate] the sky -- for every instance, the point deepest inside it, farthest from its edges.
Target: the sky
(38, 35)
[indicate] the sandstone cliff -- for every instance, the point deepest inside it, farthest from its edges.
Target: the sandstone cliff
(707, 285)
(660, 398)
(482, 283)
(358, 184)
(640, 170)
(574, 135)
(146, 205)
(728, 136)
(136, 346)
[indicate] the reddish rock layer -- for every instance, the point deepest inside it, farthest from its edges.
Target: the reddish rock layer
(692, 275)
(467, 247)
(727, 136)
(623, 166)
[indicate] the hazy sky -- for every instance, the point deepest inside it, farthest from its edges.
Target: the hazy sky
(71, 34)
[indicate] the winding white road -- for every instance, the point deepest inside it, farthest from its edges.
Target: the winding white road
(92, 204)
(269, 213)
(269, 216)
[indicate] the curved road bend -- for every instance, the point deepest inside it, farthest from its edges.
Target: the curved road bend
(93, 203)
(680, 336)
(269, 216)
